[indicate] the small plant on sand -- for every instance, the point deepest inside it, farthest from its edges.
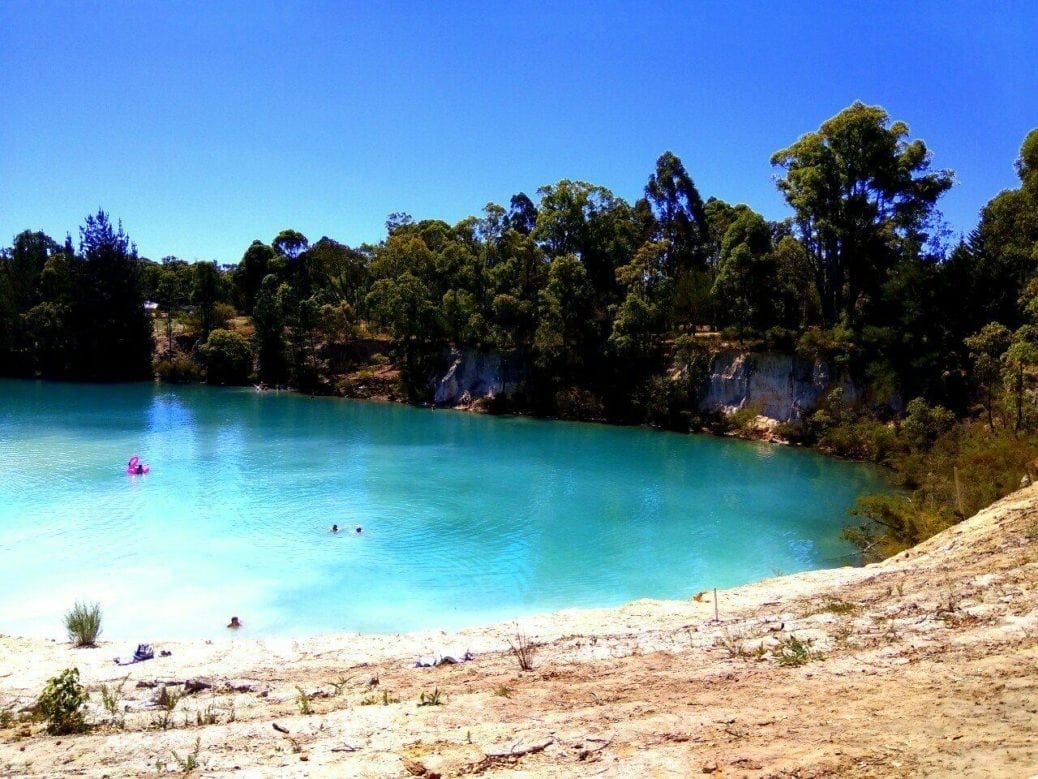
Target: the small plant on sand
(61, 703)
(792, 652)
(189, 762)
(732, 644)
(167, 702)
(340, 684)
(523, 649)
(383, 699)
(207, 716)
(83, 622)
(503, 692)
(434, 698)
(303, 701)
(110, 697)
(838, 606)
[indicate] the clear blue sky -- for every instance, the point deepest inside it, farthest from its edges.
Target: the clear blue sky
(205, 125)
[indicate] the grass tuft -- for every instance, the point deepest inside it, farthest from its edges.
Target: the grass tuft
(83, 622)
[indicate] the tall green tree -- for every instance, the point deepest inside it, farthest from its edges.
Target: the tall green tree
(680, 215)
(112, 331)
(745, 284)
(268, 316)
(290, 243)
(172, 292)
(207, 290)
(864, 198)
(253, 267)
(405, 307)
(1001, 255)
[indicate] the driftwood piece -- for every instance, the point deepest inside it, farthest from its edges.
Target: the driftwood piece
(196, 685)
(279, 728)
(513, 755)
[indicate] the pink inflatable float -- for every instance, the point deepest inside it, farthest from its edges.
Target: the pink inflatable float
(136, 466)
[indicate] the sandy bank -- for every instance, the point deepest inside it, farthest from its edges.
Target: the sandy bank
(926, 664)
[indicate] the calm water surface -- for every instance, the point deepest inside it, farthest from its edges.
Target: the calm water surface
(466, 519)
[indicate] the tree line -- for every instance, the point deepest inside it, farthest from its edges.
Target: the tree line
(612, 309)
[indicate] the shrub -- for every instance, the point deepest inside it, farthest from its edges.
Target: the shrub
(434, 698)
(61, 703)
(178, 368)
(303, 701)
(523, 649)
(83, 623)
(227, 357)
(743, 420)
(166, 701)
(792, 652)
(924, 423)
(864, 439)
(579, 403)
(835, 344)
(780, 339)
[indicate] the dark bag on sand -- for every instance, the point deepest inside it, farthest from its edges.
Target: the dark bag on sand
(144, 652)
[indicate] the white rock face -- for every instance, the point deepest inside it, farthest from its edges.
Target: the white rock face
(474, 376)
(779, 386)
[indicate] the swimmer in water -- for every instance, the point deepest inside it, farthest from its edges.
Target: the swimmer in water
(234, 623)
(358, 528)
(335, 528)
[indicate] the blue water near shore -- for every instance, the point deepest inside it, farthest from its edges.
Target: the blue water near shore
(466, 519)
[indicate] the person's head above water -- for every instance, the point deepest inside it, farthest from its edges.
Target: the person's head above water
(358, 528)
(335, 528)
(234, 623)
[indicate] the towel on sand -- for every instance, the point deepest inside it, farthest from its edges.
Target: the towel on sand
(142, 653)
(428, 661)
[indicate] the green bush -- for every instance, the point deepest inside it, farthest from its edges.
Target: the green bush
(61, 703)
(989, 465)
(178, 369)
(863, 439)
(83, 623)
(780, 339)
(227, 357)
(835, 344)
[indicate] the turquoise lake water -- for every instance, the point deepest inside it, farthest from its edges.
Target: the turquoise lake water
(466, 519)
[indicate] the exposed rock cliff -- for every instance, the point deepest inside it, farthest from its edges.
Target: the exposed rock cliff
(779, 386)
(474, 377)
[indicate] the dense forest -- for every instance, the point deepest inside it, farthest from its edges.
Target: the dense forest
(613, 310)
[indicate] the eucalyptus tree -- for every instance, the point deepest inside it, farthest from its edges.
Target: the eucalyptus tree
(207, 290)
(268, 317)
(248, 276)
(172, 291)
(680, 215)
(1002, 253)
(863, 197)
(589, 222)
(746, 280)
(290, 243)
